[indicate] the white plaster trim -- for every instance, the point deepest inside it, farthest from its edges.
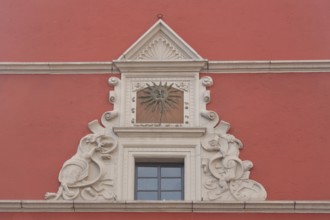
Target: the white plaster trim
(55, 67)
(158, 132)
(267, 66)
(284, 206)
(132, 149)
(175, 66)
(257, 66)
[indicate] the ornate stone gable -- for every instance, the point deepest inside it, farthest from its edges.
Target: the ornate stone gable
(160, 43)
(160, 114)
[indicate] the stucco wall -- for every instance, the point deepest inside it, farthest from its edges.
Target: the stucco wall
(85, 30)
(282, 119)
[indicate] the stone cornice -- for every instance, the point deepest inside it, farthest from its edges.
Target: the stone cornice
(165, 206)
(56, 67)
(153, 66)
(257, 66)
(271, 66)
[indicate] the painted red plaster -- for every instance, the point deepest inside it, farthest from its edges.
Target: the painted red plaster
(86, 30)
(42, 120)
(282, 119)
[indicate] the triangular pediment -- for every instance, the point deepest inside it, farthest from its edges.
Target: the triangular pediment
(160, 43)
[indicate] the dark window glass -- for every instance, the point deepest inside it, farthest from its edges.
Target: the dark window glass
(171, 172)
(147, 171)
(147, 184)
(171, 196)
(171, 184)
(159, 181)
(147, 196)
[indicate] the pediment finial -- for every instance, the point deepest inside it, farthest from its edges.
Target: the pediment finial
(160, 16)
(160, 43)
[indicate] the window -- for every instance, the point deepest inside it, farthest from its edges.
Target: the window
(159, 181)
(148, 151)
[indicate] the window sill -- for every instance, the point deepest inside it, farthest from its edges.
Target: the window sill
(158, 132)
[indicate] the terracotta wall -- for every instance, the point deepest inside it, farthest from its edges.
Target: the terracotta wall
(87, 30)
(283, 119)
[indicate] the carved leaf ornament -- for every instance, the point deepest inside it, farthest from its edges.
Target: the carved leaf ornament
(160, 49)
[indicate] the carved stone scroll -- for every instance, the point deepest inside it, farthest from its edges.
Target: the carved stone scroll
(86, 175)
(228, 177)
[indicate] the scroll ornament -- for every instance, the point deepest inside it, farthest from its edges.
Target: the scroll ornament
(229, 175)
(85, 175)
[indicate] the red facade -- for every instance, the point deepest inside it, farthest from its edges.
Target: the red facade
(282, 118)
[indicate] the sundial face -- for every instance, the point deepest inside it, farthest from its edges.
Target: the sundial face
(157, 103)
(160, 103)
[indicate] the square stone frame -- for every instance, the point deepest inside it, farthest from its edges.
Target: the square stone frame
(128, 81)
(166, 150)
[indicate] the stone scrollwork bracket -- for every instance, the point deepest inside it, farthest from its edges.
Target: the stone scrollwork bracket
(85, 175)
(229, 175)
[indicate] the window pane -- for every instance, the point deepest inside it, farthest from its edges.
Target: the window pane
(159, 181)
(147, 171)
(171, 184)
(171, 171)
(171, 195)
(147, 184)
(147, 196)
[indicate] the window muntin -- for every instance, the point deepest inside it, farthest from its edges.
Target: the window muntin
(159, 181)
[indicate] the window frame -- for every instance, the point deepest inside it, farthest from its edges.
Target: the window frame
(133, 149)
(159, 177)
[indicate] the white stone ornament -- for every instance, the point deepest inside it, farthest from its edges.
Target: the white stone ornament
(86, 175)
(113, 81)
(160, 49)
(159, 113)
(207, 81)
(229, 175)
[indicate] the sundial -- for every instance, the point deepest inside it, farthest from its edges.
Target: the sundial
(159, 103)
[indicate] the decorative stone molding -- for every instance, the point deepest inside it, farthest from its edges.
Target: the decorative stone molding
(86, 174)
(268, 66)
(158, 132)
(228, 174)
(160, 42)
(212, 66)
(160, 49)
(56, 67)
(159, 113)
(276, 207)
